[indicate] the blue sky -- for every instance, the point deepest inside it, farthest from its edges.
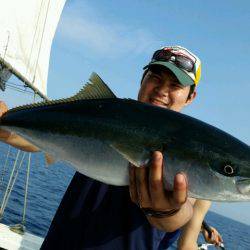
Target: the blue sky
(116, 39)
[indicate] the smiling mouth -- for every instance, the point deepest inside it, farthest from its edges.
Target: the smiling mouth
(158, 102)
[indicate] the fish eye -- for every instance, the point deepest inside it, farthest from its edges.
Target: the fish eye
(228, 170)
(225, 168)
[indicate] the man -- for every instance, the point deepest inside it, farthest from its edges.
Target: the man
(93, 215)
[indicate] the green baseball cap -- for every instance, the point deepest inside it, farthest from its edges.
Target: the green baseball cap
(185, 65)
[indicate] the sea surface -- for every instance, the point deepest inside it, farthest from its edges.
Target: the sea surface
(47, 186)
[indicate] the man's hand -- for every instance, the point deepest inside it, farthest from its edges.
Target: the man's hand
(148, 191)
(215, 238)
(3, 108)
(3, 133)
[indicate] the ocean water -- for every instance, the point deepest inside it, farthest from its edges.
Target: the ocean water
(47, 186)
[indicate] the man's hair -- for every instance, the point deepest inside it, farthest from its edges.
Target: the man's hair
(191, 91)
(157, 68)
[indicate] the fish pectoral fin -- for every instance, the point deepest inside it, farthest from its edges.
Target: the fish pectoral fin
(138, 156)
(96, 88)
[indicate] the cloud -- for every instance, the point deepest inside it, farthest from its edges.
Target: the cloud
(79, 26)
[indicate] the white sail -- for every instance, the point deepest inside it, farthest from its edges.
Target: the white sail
(27, 28)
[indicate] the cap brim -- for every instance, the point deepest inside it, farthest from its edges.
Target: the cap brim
(182, 76)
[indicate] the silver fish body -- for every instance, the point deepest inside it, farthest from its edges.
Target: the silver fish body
(99, 136)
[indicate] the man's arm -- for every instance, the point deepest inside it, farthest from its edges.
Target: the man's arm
(147, 189)
(190, 232)
(17, 141)
(14, 139)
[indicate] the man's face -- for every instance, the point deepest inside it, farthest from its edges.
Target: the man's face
(160, 87)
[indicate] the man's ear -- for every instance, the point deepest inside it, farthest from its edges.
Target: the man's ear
(191, 98)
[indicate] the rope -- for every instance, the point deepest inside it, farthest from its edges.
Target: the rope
(17, 87)
(26, 190)
(11, 183)
(15, 84)
(20, 228)
(4, 169)
(6, 47)
(15, 170)
(45, 20)
(19, 90)
(33, 40)
(14, 181)
(27, 183)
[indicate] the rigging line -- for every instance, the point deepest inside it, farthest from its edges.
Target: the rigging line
(33, 40)
(10, 82)
(21, 87)
(27, 180)
(8, 186)
(20, 90)
(16, 84)
(26, 190)
(6, 47)
(4, 169)
(13, 183)
(45, 20)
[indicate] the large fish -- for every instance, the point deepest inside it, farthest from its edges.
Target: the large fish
(98, 134)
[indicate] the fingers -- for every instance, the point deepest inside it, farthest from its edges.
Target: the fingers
(132, 184)
(180, 189)
(157, 192)
(220, 238)
(138, 188)
(147, 186)
(142, 187)
(207, 238)
(216, 237)
(156, 187)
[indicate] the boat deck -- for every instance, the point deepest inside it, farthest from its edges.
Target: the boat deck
(13, 241)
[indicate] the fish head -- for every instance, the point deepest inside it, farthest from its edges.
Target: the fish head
(216, 164)
(234, 170)
(211, 175)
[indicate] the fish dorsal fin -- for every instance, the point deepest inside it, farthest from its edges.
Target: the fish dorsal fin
(95, 88)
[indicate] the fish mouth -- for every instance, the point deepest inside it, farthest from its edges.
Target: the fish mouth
(243, 185)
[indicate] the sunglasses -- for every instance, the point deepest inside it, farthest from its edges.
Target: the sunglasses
(180, 61)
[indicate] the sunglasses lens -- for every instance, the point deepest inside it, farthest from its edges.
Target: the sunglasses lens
(181, 61)
(185, 63)
(162, 55)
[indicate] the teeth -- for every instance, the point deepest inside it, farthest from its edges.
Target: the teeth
(157, 100)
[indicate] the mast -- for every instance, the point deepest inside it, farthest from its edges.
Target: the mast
(27, 30)
(8, 70)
